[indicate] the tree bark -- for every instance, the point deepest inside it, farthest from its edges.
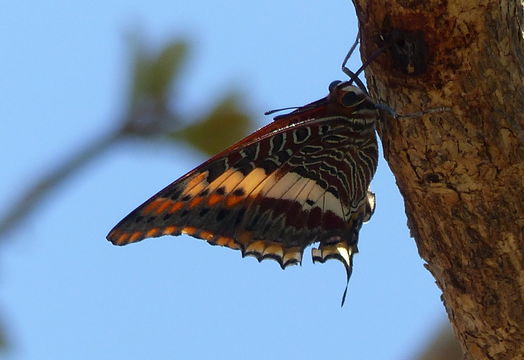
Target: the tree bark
(460, 171)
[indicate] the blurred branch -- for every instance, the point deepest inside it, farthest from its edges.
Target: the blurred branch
(444, 346)
(147, 115)
(46, 184)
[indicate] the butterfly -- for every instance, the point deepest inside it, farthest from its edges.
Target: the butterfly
(300, 180)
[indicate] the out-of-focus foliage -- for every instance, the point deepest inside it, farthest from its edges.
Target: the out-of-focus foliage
(220, 128)
(4, 341)
(443, 346)
(149, 113)
(154, 79)
(153, 75)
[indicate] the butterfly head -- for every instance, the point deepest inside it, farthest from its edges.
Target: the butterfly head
(343, 99)
(350, 100)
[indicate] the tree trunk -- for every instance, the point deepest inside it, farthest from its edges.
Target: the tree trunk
(460, 171)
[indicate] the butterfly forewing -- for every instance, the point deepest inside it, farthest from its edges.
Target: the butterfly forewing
(302, 179)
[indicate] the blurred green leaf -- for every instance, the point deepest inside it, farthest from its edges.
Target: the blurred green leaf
(224, 125)
(153, 77)
(165, 68)
(151, 89)
(154, 74)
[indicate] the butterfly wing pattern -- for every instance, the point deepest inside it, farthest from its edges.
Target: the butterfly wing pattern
(300, 180)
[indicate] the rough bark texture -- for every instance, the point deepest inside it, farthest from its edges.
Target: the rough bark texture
(460, 172)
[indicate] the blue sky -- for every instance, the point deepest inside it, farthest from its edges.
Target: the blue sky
(68, 293)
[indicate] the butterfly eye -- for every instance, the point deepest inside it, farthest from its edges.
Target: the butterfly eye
(351, 99)
(333, 85)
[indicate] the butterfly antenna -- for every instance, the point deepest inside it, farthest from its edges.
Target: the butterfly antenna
(350, 52)
(354, 78)
(281, 109)
(354, 75)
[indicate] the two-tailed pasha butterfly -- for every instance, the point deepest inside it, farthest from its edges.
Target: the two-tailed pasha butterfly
(300, 180)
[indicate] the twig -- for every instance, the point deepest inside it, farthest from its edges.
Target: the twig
(49, 182)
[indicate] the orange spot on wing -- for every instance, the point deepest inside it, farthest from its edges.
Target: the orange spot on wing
(178, 205)
(222, 241)
(137, 235)
(190, 230)
(233, 200)
(214, 199)
(163, 205)
(233, 245)
(120, 238)
(169, 230)
(227, 241)
(152, 206)
(153, 232)
(206, 235)
(195, 202)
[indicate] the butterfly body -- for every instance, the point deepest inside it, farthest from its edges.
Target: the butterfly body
(301, 179)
